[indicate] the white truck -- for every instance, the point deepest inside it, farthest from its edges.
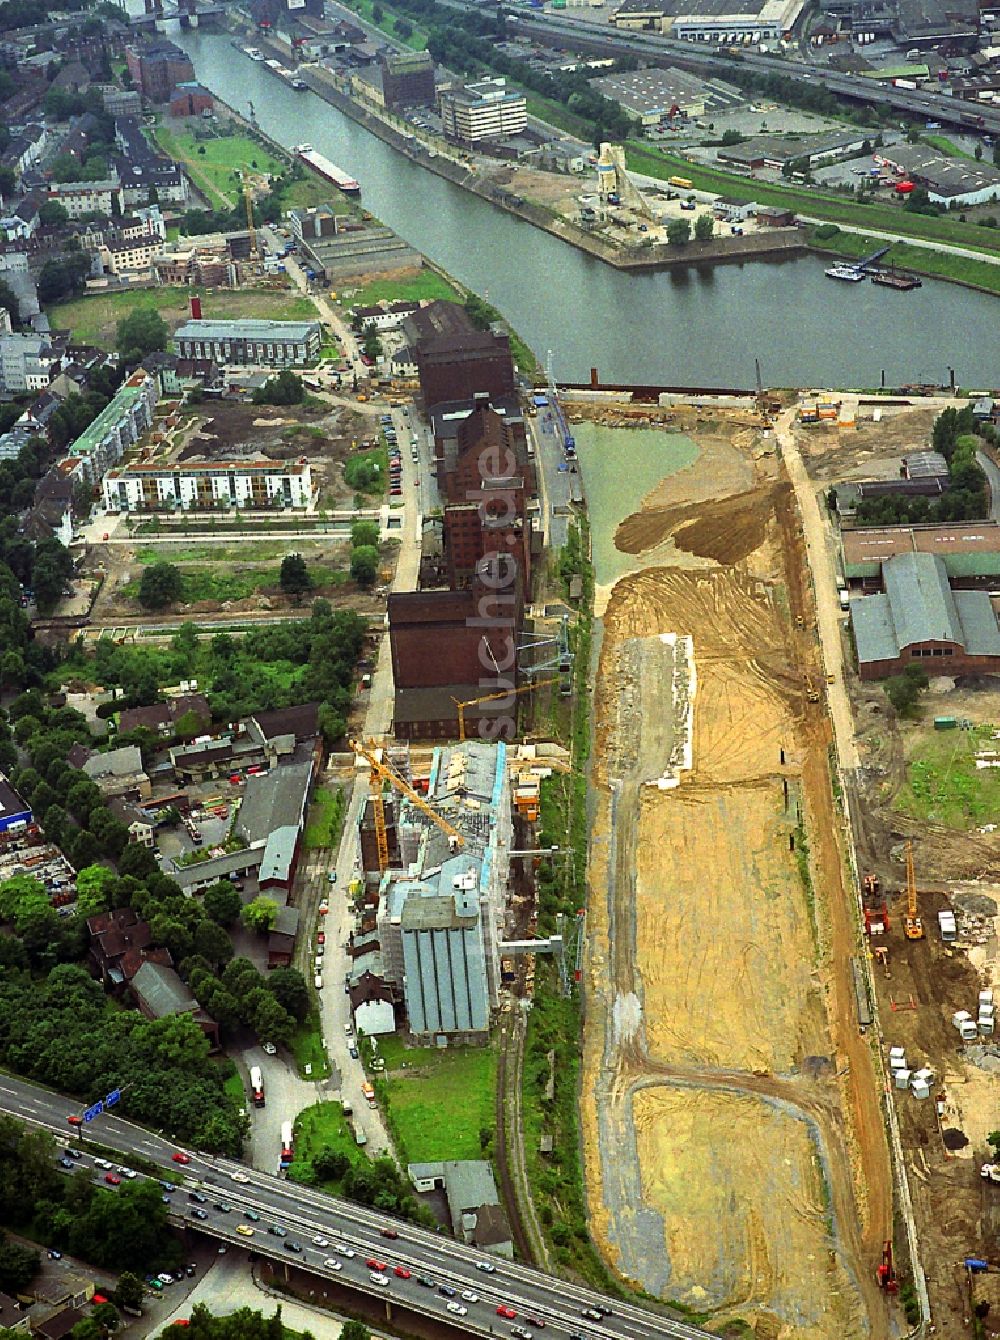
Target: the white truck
(947, 926)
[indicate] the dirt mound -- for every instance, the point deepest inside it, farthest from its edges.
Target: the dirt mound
(725, 530)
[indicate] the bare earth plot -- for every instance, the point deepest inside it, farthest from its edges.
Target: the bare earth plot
(734, 1149)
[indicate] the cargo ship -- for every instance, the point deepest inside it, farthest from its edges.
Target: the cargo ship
(849, 273)
(326, 169)
(277, 68)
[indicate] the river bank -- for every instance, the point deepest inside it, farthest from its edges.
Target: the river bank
(771, 244)
(775, 243)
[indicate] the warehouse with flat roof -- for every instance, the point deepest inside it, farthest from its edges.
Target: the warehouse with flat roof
(742, 21)
(651, 95)
(969, 550)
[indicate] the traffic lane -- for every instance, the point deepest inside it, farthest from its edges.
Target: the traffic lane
(276, 1197)
(422, 1286)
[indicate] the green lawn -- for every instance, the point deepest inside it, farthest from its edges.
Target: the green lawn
(324, 818)
(94, 319)
(252, 551)
(421, 287)
(947, 147)
(416, 42)
(212, 171)
(209, 583)
(837, 209)
(234, 1088)
(308, 1049)
(312, 189)
(943, 783)
(938, 264)
(324, 1126)
(440, 1100)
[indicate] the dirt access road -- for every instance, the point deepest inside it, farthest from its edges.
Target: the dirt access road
(735, 1153)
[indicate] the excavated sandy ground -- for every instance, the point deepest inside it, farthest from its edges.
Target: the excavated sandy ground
(721, 1087)
(736, 1214)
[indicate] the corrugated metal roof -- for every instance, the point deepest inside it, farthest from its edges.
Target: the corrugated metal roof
(279, 853)
(920, 600)
(980, 631)
(874, 634)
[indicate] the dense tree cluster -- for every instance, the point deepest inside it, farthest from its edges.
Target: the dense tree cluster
(62, 1031)
(958, 437)
(378, 1183)
(126, 1230)
(275, 666)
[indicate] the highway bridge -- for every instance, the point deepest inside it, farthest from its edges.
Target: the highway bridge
(232, 1194)
(912, 103)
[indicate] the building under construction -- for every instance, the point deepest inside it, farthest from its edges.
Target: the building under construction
(432, 925)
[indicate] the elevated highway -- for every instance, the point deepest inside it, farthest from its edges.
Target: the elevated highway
(208, 1185)
(912, 103)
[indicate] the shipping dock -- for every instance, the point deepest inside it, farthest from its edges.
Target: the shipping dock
(893, 278)
(321, 164)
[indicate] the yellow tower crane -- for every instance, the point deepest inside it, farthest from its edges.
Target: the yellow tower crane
(381, 772)
(251, 229)
(494, 697)
(912, 924)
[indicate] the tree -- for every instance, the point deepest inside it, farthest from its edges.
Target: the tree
(53, 568)
(260, 914)
(129, 1291)
(679, 232)
(295, 579)
(17, 1265)
(222, 903)
(354, 1330)
(50, 212)
(289, 989)
(137, 861)
(161, 586)
(364, 564)
(93, 889)
(704, 227)
(364, 533)
(270, 1020)
(213, 943)
(284, 389)
(142, 332)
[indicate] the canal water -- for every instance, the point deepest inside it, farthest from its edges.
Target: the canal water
(619, 466)
(688, 327)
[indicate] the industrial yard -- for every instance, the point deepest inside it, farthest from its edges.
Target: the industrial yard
(717, 900)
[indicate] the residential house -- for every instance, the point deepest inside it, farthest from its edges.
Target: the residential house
(119, 772)
(159, 993)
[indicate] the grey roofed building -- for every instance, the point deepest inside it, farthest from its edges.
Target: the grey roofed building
(201, 874)
(123, 762)
(920, 616)
(444, 956)
(275, 799)
(473, 1203)
(278, 862)
(162, 991)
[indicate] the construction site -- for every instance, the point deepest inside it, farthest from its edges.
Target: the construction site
(923, 807)
(721, 925)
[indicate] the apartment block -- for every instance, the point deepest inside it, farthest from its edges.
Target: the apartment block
(26, 362)
(147, 486)
(88, 197)
(117, 427)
